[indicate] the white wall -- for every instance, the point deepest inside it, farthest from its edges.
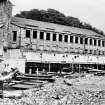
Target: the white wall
(68, 58)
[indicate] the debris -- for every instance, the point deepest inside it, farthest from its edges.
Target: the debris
(59, 93)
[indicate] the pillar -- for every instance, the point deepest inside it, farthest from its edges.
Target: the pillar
(63, 37)
(51, 36)
(38, 34)
(57, 37)
(68, 38)
(79, 68)
(44, 35)
(49, 67)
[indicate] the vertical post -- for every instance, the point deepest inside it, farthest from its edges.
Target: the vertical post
(44, 35)
(72, 67)
(79, 68)
(49, 67)
(97, 66)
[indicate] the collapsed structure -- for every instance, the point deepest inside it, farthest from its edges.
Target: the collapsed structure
(32, 45)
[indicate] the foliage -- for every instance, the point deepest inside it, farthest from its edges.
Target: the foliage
(54, 16)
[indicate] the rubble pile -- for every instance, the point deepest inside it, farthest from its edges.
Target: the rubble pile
(57, 93)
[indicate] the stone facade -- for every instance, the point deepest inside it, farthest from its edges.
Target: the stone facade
(5, 18)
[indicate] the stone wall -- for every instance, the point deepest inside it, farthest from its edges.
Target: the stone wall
(52, 46)
(5, 18)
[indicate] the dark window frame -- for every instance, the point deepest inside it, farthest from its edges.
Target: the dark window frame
(54, 37)
(81, 40)
(86, 40)
(99, 42)
(14, 35)
(60, 37)
(48, 36)
(66, 38)
(103, 43)
(71, 39)
(28, 33)
(35, 34)
(76, 39)
(91, 42)
(42, 35)
(95, 42)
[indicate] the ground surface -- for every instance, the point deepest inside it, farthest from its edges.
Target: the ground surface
(88, 90)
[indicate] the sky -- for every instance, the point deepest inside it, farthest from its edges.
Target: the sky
(89, 11)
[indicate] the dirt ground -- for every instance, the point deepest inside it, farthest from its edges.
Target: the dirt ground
(88, 90)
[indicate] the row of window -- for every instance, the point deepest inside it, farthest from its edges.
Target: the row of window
(81, 40)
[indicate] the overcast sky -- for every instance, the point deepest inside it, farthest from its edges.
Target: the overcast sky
(89, 11)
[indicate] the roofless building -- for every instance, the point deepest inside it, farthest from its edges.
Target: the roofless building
(36, 44)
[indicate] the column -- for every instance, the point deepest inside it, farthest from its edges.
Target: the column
(63, 37)
(45, 35)
(78, 40)
(68, 38)
(57, 37)
(49, 67)
(38, 34)
(73, 39)
(51, 36)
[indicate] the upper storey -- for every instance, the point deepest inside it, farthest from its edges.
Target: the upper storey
(45, 36)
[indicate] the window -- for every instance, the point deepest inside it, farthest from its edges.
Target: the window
(47, 36)
(54, 37)
(103, 43)
(90, 51)
(86, 40)
(41, 35)
(99, 42)
(76, 39)
(35, 34)
(27, 33)
(60, 37)
(14, 35)
(95, 42)
(66, 38)
(71, 39)
(91, 42)
(81, 40)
